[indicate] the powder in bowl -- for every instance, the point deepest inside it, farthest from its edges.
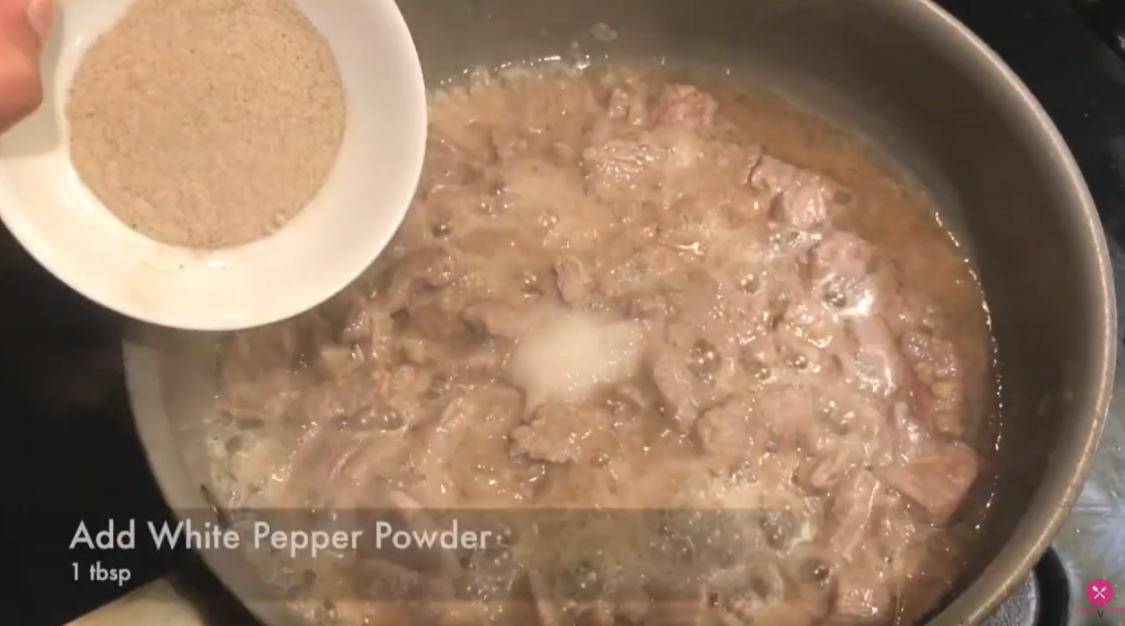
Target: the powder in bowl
(207, 123)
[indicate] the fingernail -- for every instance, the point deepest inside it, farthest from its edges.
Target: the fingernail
(41, 16)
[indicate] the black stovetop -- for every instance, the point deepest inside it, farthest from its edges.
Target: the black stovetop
(68, 451)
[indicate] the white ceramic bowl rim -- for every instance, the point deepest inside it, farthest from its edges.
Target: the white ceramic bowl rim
(316, 255)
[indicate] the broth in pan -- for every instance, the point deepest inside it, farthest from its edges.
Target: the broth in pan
(697, 356)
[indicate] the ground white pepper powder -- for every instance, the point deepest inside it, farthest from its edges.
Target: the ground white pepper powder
(207, 123)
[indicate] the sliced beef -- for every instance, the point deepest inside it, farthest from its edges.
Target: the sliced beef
(558, 432)
(403, 512)
(334, 471)
(731, 433)
(937, 482)
(639, 275)
(790, 417)
(266, 397)
(801, 198)
(512, 143)
(629, 397)
(939, 406)
(627, 106)
(814, 570)
(427, 267)
(368, 327)
(862, 598)
(496, 319)
(905, 309)
(572, 280)
(451, 211)
(823, 471)
(909, 437)
(340, 397)
(677, 386)
(684, 104)
(876, 366)
(437, 315)
(651, 307)
(814, 323)
(333, 361)
(483, 361)
(938, 396)
(933, 359)
(840, 254)
(694, 368)
(894, 528)
(435, 444)
(620, 168)
(664, 165)
(850, 513)
(838, 267)
(548, 613)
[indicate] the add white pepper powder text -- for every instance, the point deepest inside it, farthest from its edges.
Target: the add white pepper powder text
(207, 123)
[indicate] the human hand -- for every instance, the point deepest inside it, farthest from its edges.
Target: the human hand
(24, 26)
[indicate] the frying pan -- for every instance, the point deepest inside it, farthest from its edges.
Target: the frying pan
(931, 95)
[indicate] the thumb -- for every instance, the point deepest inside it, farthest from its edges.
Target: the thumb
(24, 27)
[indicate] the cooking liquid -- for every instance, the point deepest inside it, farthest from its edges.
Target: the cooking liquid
(465, 435)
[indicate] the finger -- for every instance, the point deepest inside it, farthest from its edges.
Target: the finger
(21, 91)
(24, 26)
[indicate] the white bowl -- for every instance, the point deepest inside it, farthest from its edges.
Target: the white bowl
(318, 253)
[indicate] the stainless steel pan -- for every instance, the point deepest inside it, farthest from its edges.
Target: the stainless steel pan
(936, 98)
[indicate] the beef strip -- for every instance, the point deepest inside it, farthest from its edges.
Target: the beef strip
(822, 472)
(333, 361)
(731, 433)
(802, 198)
(937, 482)
(938, 396)
(404, 512)
(544, 604)
(677, 386)
(574, 283)
(369, 328)
(496, 319)
(665, 164)
(684, 104)
(627, 106)
(558, 432)
(438, 315)
(876, 365)
(266, 397)
(427, 267)
(861, 599)
(850, 513)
